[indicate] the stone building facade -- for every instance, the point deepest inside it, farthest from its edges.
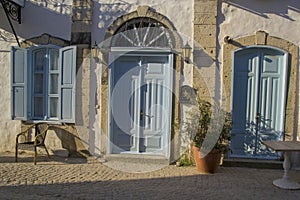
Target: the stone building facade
(149, 34)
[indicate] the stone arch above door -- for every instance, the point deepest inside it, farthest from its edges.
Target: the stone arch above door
(147, 13)
(263, 38)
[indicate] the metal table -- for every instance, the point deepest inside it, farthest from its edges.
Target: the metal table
(286, 147)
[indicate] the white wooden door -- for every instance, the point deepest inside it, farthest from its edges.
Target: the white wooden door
(258, 103)
(141, 99)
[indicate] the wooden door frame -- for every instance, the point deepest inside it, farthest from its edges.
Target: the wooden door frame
(116, 52)
(285, 79)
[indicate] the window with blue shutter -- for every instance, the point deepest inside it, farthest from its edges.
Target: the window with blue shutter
(19, 83)
(67, 85)
(43, 83)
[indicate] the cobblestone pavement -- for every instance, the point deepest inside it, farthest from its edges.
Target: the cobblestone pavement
(79, 178)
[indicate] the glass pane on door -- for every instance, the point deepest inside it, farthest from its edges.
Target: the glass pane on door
(53, 107)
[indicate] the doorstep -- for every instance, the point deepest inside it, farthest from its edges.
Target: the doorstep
(252, 163)
(137, 158)
(134, 163)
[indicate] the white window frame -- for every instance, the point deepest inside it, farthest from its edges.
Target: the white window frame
(22, 61)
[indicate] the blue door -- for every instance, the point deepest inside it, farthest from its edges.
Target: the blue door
(140, 104)
(258, 102)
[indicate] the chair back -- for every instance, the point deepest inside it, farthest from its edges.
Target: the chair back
(41, 130)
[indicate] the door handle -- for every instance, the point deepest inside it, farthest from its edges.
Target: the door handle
(258, 117)
(142, 114)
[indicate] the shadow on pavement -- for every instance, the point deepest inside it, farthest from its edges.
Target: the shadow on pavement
(220, 186)
(43, 159)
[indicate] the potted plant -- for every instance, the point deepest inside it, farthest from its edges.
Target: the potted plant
(209, 127)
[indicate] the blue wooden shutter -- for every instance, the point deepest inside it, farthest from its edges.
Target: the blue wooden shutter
(19, 83)
(67, 57)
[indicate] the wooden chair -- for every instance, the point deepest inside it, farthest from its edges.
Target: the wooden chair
(40, 130)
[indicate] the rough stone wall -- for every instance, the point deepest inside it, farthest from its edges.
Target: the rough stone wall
(143, 11)
(204, 51)
(9, 127)
(67, 135)
(78, 138)
(263, 38)
(75, 137)
(55, 137)
(82, 13)
(240, 19)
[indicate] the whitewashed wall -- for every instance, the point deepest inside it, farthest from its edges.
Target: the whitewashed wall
(236, 18)
(42, 16)
(240, 18)
(38, 17)
(8, 127)
(180, 13)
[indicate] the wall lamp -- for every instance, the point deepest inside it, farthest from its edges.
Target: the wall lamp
(228, 39)
(187, 50)
(95, 51)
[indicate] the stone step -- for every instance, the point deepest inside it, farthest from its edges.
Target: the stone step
(131, 158)
(135, 163)
(252, 163)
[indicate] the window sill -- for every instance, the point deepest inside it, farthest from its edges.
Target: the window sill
(44, 121)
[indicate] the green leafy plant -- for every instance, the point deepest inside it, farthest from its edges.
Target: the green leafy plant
(185, 160)
(206, 122)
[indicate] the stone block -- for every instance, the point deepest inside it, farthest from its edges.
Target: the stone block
(81, 38)
(61, 153)
(261, 38)
(206, 7)
(44, 39)
(208, 30)
(82, 14)
(57, 41)
(205, 18)
(82, 26)
(142, 10)
(205, 41)
(83, 3)
(203, 61)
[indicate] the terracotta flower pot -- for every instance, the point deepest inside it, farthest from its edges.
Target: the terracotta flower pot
(209, 163)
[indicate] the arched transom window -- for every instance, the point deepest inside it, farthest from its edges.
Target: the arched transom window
(143, 32)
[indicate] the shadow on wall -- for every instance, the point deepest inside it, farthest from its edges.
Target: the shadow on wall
(105, 14)
(262, 8)
(70, 139)
(38, 17)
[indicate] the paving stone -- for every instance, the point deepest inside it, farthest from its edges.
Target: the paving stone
(79, 178)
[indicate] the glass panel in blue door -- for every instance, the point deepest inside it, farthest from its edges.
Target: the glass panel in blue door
(258, 101)
(125, 98)
(270, 111)
(39, 60)
(38, 107)
(53, 107)
(244, 103)
(156, 73)
(38, 83)
(54, 59)
(39, 73)
(53, 83)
